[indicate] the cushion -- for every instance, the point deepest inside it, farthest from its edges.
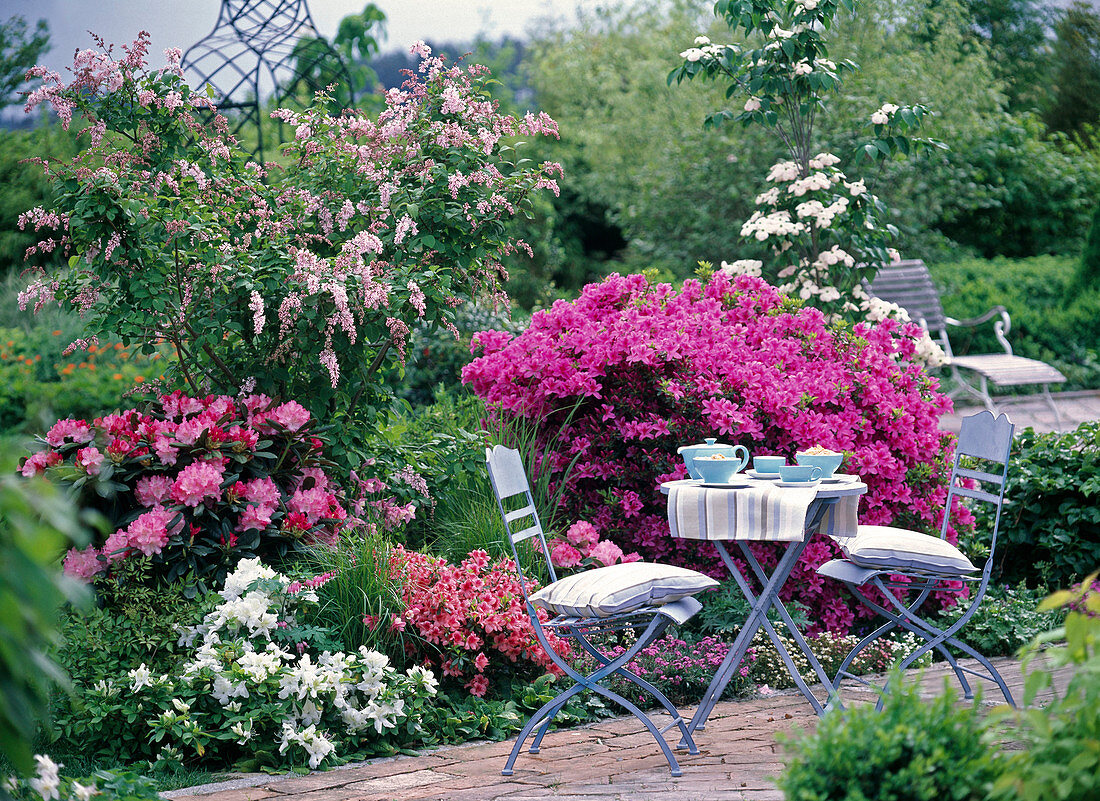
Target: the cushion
(884, 547)
(607, 591)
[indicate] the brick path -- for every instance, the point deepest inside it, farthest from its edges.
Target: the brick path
(614, 760)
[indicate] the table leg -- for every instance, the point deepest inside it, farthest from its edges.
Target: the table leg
(757, 617)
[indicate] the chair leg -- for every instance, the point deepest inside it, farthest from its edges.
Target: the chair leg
(1053, 407)
(940, 639)
(543, 717)
(910, 622)
(659, 696)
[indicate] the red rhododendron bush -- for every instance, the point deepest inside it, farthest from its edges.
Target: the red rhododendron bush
(629, 372)
(195, 484)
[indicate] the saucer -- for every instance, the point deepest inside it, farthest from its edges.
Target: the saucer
(731, 485)
(813, 483)
(762, 476)
(840, 478)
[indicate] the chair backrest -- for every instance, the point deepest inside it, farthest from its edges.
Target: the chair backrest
(909, 284)
(511, 488)
(989, 439)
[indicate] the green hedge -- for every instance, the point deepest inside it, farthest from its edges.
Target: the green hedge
(1051, 320)
(1050, 525)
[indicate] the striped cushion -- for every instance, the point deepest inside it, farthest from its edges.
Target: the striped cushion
(611, 590)
(885, 547)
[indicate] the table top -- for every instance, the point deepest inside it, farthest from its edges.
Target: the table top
(840, 489)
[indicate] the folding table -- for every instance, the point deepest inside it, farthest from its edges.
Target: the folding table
(757, 515)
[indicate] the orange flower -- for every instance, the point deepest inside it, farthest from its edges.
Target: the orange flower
(117, 376)
(38, 357)
(91, 349)
(119, 346)
(57, 333)
(139, 379)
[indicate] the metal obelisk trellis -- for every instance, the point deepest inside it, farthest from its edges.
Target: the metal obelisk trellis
(255, 47)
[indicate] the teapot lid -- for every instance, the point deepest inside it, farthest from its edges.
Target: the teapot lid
(710, 442)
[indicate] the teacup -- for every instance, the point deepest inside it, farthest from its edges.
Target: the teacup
(799, 473)
(717, 469)
(828, 462)
(768, 464)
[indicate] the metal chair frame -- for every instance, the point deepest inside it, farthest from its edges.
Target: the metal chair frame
(982, 437)
(509, 481)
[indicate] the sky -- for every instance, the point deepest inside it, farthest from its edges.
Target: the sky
(181, 23)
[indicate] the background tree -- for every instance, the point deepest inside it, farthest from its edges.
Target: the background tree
(1073, 98)
(20, 49)
(1015, 32)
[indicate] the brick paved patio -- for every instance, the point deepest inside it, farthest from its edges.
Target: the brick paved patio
(614, 760)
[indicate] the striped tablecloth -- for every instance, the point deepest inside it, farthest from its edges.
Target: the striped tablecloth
(766, 513)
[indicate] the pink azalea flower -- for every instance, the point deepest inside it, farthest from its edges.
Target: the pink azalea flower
(198, 482)
(257, 517)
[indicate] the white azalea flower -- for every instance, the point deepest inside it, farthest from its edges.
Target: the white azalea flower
(140, 677)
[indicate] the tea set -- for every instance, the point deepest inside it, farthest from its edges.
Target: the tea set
(715, 464)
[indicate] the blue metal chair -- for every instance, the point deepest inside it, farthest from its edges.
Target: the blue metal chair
(916, 565)
(640, 596)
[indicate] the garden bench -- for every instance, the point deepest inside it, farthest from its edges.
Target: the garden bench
(909, 285)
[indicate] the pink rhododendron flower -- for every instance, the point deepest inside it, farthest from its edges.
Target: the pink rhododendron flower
(257, 517)
(153, 490)
(84, 564)
(562, 554)
(261, 491)
(89, 460)
(37, 463)
(583, 534)
(290, 415)
(149, 533)
(69, 430)
(607, 552)
(197, 482)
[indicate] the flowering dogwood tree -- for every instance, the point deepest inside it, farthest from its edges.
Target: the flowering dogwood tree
(302, 280)
(825, 229)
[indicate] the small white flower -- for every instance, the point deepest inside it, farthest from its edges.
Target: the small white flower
(752, 104)
(692, 54)
(803, 68)
(180, 706)
(82, 792)
(702, 40)
(880, 118)
(888, 108)
(140, 677)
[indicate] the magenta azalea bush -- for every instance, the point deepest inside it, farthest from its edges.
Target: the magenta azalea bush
(195, 484)
(653, 368)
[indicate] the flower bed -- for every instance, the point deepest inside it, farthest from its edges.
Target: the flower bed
(630, 371)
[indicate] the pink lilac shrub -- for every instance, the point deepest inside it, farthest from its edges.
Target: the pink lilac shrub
(195, 484)
(628, 372)
(472, 614)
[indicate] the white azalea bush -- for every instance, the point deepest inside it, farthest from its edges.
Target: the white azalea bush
(259, 688)
(48, 784)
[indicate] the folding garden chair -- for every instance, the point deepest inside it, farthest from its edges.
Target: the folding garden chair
(887, 559)
(583, 607)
